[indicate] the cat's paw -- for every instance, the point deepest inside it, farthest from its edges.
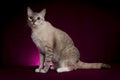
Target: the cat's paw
(43, 71)
(59, 70)
(40, 70)
(52, 68)
(37, 70)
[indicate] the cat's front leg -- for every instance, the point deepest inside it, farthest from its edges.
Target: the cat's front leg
(41, 63)
(48, 59)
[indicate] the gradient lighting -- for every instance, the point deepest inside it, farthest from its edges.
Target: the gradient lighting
(33, 60)
(19, 47)
(93, 30)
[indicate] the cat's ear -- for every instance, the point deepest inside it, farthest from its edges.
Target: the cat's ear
(43, 12)
(29, 11)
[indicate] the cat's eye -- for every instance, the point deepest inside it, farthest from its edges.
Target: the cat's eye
(31, 17)
(38, 18)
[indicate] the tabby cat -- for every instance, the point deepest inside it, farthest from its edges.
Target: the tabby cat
(55, 45)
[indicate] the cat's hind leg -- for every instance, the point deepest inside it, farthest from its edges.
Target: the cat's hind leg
(64, 67)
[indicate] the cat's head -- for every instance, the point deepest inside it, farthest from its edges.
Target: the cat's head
(35, 18)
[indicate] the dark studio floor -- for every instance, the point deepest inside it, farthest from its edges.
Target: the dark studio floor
(27, 73)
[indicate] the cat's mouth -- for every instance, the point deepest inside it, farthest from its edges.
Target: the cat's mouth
(33, 23)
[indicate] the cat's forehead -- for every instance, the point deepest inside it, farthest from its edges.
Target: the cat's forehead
(35, 14)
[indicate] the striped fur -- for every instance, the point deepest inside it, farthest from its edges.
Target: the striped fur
(55, 45)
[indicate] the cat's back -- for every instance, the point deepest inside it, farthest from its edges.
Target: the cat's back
(62, 39)
(60, 34)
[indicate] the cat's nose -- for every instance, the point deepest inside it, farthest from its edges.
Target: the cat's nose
(33, 20)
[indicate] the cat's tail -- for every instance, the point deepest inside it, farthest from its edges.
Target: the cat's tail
(84, 65)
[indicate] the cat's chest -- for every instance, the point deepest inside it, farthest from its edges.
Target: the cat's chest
(38, 41)
(41, 39)
(38, 38)
(41, 36)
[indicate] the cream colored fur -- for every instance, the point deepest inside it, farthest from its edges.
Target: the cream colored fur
(55, 45)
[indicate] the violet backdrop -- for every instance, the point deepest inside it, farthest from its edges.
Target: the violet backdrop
(93, 28)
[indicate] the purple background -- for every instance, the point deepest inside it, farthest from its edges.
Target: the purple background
(94, 29)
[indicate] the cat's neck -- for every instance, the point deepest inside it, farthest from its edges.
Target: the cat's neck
(44, 26)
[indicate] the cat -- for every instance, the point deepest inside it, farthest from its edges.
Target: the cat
(55, 45)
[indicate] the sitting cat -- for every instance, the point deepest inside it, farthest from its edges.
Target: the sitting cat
(55, 45)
